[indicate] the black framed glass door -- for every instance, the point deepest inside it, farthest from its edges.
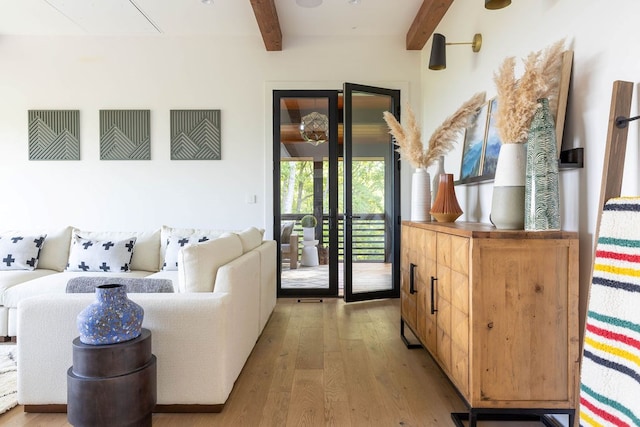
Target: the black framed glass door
(371, 195)
(336, 168)
(305, 171)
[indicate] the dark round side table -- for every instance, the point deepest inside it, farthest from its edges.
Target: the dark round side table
(112, 385)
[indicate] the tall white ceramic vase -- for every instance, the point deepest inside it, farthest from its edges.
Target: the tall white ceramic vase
(420, 195)
(507, 204)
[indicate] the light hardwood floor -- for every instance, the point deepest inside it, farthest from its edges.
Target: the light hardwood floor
(323, 364)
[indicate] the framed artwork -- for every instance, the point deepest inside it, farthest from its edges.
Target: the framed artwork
(492, 143)
(195, 135)
(471, 166)
(124, 135)
(560, 100)
(54, 134)
(470, 170)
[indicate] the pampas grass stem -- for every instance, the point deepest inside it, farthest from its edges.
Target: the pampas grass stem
(518, 98)
(408, 138)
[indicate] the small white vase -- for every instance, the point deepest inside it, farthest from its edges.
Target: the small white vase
(420, 195)
(436, 178)
(507, 204)
(308, 233)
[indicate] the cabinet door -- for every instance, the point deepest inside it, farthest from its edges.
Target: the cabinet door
(521, 335)
(408, 307)
(412, 286)
(427, 270)
(417, 266)
(460, 289)
(443, 301)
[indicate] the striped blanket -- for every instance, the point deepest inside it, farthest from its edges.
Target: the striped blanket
(610, 378)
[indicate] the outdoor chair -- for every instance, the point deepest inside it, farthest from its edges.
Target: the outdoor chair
(289, 244)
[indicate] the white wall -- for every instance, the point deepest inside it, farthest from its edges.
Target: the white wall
(160, 74)
(606, 46)
(236, 75)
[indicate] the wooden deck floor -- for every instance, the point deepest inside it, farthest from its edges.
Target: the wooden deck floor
(367, 277)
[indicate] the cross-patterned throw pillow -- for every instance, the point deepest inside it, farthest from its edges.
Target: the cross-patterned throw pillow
(107, 256)
(174, 244)
(19, 252)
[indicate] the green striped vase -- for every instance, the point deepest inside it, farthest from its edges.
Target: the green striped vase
(542, 197)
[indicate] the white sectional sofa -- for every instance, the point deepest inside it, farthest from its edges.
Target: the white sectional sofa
(225, 291)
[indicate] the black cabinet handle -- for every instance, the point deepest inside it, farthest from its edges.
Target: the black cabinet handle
(412, 278)
(433, 300)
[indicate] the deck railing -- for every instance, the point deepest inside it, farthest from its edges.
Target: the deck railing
(370, 236)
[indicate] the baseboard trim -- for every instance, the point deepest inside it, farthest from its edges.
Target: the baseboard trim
(52, 409)
(179, 409)
(176, 409)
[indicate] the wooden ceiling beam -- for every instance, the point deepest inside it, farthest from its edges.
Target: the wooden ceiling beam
(424, 24)
(267, 17)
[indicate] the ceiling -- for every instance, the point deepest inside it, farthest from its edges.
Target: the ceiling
(224, 18)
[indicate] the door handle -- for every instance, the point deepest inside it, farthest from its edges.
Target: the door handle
(412, 278)
(433, 301)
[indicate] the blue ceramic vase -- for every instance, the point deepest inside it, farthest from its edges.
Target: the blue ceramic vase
(111, 319)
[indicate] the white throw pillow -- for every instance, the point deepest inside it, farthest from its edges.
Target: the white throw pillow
(174, 244)
(19, 251)
(167, 232)
(198, 264)
(108, 256)
(146, 256)
(251, 238)
(54, 253)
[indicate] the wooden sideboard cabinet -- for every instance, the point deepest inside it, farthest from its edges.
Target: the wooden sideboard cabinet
(497, 310)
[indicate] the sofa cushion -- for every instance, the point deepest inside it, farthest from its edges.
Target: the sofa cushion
(198, 264)
(9, 279)
(20, 251)
(53, 284)
(169, 275)
(146, 254)
(85, 284)
(250, 238)
(100, 255)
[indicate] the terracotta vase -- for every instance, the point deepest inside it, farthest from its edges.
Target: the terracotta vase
(446, 208)
(111, 319)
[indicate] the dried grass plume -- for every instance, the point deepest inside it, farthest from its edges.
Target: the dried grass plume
(518, 98)
(408, 138)
(443, 138)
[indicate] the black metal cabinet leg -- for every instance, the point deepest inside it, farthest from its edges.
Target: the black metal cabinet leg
(406, 342)
(473, 418)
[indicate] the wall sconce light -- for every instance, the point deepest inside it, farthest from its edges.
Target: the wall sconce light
(438, 59)
(496, 4)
